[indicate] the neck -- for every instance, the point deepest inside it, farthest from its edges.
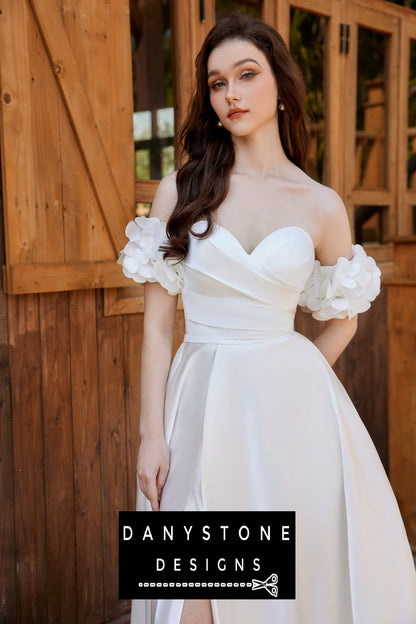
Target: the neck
(261, 153)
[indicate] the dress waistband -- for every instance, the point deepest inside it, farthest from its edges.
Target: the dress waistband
(222, 335)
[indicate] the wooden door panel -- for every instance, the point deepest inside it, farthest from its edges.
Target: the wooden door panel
(70, 193)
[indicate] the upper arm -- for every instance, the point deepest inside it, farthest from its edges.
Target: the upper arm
(334, 242)
(159, 305)
(159, 309)
(335, 233)
(165, 198)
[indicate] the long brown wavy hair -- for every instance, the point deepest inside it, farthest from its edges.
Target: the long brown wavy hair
(203, 181)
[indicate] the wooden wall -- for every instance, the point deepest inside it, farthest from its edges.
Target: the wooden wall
(69, 361)
(68, 448)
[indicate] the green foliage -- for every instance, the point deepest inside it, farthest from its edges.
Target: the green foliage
(307, 48)
(223, 7)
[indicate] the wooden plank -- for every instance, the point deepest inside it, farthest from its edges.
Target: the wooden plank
(113, 444)
(406, 196)
(29, 486)
(63, 276)
(94, 35)
(333, 72)
(145, 190)
(84, 223)
(127, 301)
(87, 453)
(283, 20)
(46, 108)
(187, 27)
(386, 8)
(372, 197)
(79, 109)
(269, 12)
(8, 606)
(348, 130)
(132, 344)
(58, 458)
(321, 7)
(402, 401)
(402, 374)
(17, 134)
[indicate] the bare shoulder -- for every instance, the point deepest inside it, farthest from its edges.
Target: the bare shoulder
(332, 224)
(165, 198)
(328, 205)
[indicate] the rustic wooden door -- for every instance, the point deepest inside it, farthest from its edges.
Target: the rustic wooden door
(68, 190)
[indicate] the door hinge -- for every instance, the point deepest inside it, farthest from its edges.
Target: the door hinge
(344, 38)
(202, 10)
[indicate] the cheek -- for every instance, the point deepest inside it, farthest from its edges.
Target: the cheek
(269, 95)
(214, 99)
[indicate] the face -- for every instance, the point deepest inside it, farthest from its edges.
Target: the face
(242, 87)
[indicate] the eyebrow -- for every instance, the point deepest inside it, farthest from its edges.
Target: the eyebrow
(214, 72)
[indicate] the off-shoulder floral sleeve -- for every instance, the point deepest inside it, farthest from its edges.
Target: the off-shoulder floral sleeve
(142, 260)
(343, 289)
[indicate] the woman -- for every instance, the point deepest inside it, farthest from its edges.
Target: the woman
(250, 415)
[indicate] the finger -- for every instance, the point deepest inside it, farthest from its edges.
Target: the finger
(152, 495)
(161, 477)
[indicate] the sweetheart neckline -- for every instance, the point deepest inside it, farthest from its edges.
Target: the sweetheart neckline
(263, 240)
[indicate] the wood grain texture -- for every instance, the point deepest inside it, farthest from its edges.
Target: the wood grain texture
(69, 180)
(132, 340)
(16, 136)
(87, 457)
(113, 444)
(402, 402)
(8, 604)
(28, 456)
(83, 121)
(58, 458)
(402, 384)
(52, 277)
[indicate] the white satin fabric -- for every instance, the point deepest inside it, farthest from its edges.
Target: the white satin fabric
(256, 419)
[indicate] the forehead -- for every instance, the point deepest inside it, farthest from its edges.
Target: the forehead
(229, 52)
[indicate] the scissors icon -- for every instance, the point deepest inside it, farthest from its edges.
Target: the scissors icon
(270, 585)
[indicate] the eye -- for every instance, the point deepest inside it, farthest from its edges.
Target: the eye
(248, 74)
(217, 85)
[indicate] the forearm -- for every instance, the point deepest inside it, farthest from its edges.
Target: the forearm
(335, 337)
(155, 362)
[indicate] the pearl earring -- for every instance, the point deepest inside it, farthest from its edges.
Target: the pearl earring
(219, 124)
(281, 106)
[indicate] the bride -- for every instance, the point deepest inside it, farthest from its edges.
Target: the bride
(245, 235)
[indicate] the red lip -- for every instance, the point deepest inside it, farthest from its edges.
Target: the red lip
(234, 113)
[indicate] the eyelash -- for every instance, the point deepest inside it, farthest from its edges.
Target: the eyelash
(219, 83)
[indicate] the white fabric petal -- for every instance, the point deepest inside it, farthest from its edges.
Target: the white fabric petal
(343, 289)
(142, 259)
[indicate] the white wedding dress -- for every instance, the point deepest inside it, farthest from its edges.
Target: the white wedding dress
(256, 419)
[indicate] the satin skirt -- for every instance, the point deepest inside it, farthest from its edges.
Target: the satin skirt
(268, 426)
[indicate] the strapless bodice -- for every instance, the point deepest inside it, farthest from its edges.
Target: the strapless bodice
(230, 295)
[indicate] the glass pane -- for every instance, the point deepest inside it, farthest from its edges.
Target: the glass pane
(153, 119)
(370, 146)
(411, 122)
(368, 223)
(307, 46)
(222, 7)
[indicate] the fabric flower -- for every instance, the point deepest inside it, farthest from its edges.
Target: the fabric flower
(343, 289)
(142, 260)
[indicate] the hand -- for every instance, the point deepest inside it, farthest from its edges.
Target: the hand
(153, 468)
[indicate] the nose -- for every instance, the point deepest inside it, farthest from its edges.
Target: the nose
(232, 94)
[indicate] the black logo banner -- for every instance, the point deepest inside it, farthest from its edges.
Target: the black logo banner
(207, 554)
